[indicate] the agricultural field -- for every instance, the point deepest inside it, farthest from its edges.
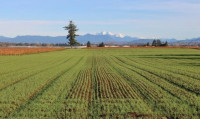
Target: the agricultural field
(22, 51)
(101, 83)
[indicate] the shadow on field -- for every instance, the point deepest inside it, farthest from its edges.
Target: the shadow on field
(192, 58)
(177, 55)
(174, 56)
(190, 64)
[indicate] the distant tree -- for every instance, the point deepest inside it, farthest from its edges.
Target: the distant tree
(154, 43)
(166, 43)
(102, 44)
(88, 44)
(158, 43)
(71, 28)
(148, 44)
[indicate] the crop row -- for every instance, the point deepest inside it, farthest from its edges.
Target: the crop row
(101, 83)
(172, 89)
(100, 92)
(33, 85)
(160, 101)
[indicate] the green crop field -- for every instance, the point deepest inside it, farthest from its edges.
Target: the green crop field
(101, 83)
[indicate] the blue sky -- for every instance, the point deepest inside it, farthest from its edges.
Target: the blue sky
(178, 19)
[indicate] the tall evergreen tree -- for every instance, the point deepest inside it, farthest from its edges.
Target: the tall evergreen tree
(71, 28)
(88, 44)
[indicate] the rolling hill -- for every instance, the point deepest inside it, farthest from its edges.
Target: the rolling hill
(106, 37)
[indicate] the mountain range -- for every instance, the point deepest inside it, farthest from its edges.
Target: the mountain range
(106, 37)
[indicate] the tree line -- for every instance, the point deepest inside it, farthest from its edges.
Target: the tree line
(99, 45)
(157, 43)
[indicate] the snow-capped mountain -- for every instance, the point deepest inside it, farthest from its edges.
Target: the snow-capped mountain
(111, 34)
